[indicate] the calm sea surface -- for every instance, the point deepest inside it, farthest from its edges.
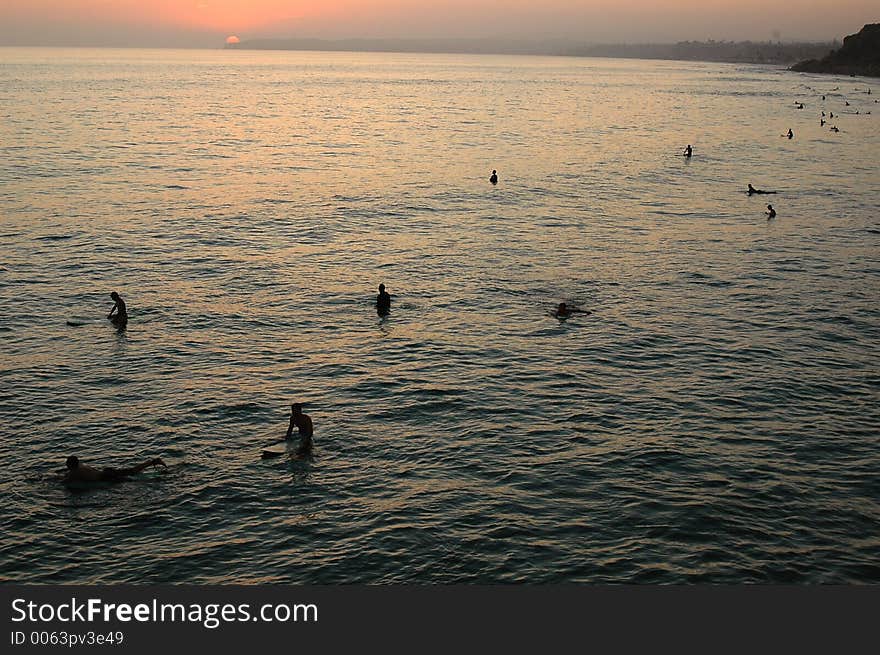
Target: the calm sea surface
(715, 419)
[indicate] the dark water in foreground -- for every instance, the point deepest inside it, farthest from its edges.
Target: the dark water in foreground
(715, 419)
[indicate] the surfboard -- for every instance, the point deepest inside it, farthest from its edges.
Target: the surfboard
(290, 449)
(76, 321)
(291, 454)
(278, 449)
(82, 485)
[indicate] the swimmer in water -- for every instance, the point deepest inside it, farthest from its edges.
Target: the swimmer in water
(771, 213)
(790, 134)
(688, 151)
(118, 307)
(303, 423)
(383, 301)
(754, 190)
(494, 177)
(564, 311)
(79, 472)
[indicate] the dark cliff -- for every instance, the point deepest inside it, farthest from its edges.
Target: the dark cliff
(859, 55)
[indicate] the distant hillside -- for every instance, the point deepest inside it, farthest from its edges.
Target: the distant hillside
(747, 52)
(455, 46)
(860, 55)
(743, 52)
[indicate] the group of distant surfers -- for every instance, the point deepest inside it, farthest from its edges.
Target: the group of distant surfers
(771, 213)
(78, 472)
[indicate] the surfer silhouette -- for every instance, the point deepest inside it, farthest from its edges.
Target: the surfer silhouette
(303, 424)
(79, 472)
(383, 301)
(771, 213)
(564, 311)
(753, 190)
(121, 316)
(494, 177)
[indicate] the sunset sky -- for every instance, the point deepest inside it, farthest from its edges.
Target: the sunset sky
(195, 23)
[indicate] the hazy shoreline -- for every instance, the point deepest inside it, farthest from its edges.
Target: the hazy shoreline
(789, 54)
(743, 52)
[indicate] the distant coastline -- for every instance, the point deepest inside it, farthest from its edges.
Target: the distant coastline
(745, 52)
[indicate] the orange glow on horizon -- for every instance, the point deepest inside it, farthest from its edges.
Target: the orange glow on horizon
(644, 21)
(228, 16)
(233, 15)
(237, 15)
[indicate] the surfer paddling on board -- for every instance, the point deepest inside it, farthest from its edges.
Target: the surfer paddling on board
(564, 311)
(79, 472)
(121, 316)
(754, 190)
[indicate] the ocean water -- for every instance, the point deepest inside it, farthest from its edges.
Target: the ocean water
(714, 419)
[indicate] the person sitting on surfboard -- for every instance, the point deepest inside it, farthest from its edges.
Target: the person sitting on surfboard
(771, 213)
(688, 151)
(79, 472)
(383, 301)
(119, 308)
(494, 177)
(303, 423)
